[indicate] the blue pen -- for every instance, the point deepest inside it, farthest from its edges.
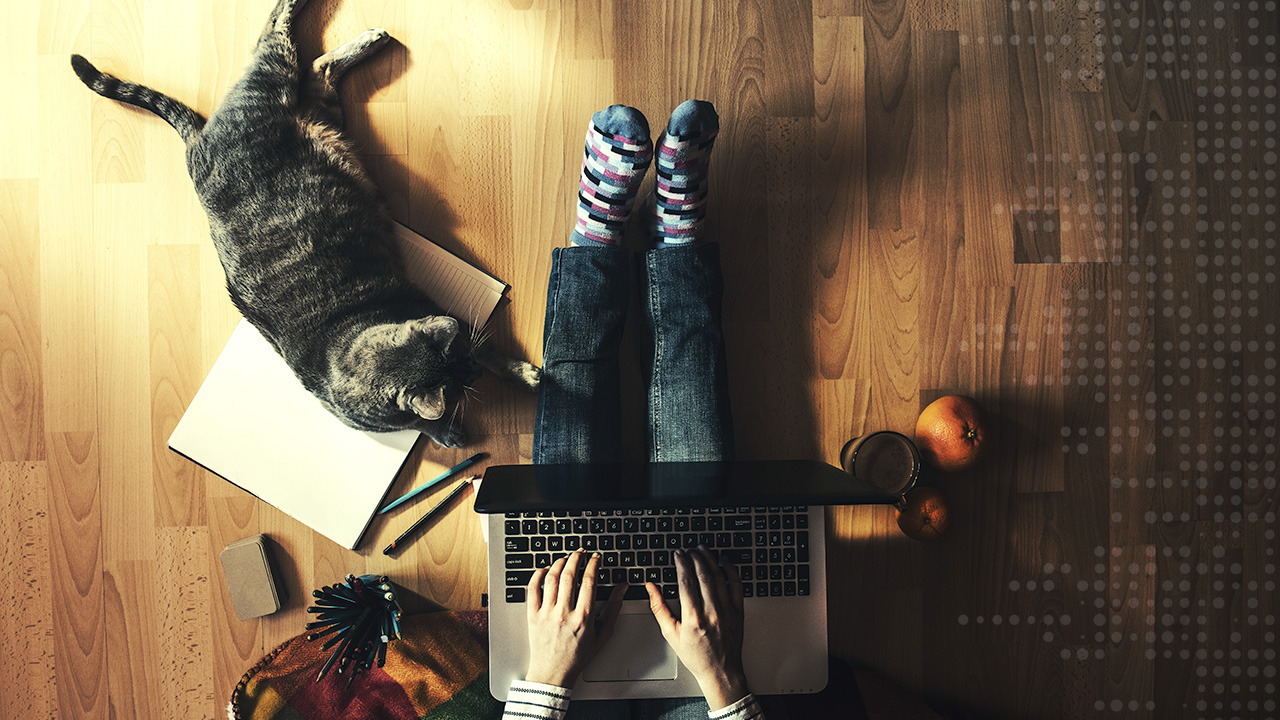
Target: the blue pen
(432, 483)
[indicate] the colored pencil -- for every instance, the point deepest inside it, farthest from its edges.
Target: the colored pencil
(432, 482)
(431, 514)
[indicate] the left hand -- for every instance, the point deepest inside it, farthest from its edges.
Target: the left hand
(563, 632)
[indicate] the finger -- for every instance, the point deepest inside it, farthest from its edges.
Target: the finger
(534, 590)
(661, 613)
(719, 581)
(551, 586)
(735, 585)
(587, 594)
(567, 579)
(687, 580)
(710, 581)
(610, 617)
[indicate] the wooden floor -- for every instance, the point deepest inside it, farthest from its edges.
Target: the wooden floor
(1065, 209)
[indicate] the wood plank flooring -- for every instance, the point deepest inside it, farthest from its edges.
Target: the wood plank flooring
(1064, 208)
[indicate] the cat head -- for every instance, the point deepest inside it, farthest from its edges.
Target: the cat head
(395, 375)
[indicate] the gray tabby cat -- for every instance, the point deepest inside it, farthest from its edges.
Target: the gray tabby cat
(306, 242)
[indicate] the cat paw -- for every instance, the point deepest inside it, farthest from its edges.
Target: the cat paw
(527, 375)
(448, 437)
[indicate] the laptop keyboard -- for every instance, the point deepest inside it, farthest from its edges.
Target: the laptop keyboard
(769, 546)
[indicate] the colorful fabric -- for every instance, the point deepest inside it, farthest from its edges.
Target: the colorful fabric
(678, 205)
(614, 162)
(438, 670)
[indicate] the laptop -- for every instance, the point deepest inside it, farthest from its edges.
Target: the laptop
(767, 516)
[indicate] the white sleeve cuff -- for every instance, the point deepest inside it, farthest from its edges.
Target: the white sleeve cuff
(745, 709)
(536, 701)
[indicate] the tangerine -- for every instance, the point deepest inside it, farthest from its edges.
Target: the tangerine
(923, 514)
(952, 433)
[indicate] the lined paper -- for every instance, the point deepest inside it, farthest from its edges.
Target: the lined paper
(254, 424)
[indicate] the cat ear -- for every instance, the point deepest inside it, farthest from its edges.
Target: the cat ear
(438, 325)
(429, 406)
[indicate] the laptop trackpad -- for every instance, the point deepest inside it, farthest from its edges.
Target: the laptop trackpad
(635, 652)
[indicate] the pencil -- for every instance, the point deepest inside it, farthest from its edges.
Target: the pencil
(432, 513)
(432, 483)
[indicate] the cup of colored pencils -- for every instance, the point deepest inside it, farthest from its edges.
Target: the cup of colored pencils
(360, 616)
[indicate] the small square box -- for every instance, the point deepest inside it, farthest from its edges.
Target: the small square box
(247, 567)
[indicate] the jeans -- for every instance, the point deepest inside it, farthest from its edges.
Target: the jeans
(687, 398)
(682, 346)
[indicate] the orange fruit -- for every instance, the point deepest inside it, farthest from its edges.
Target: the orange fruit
(952, 433)
(923, 514)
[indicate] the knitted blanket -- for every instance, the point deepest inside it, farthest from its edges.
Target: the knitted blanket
(438, 670)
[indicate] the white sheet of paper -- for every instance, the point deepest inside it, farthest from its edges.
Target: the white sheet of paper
(254, 424)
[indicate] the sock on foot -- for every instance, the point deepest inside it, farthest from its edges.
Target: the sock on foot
(616, 156)
(678, 206)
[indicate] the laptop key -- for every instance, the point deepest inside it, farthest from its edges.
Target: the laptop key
(708, 539)
(622, 542)
(516, 544)
(715, 523)
(788, 522)
(775, 589)
(627, 558)
(668, 575)
(669, 592)
(742, 539)
(647, 524)
(639, 542)
(538, 544)
(573, 542)
(636, 592)
(555, 543)
(644, 558)
(802, 588)
(673, 542)
(698, 524)
(635, 576)
(589, 543)
(597, 525)
(606, 542)
(748, 590)
(542, 560)
(802, 571)
(689, 540)
(788, 555)
(610, 559)
(546, 527)
(519, 577)
(528, 527)
(653, 575)
(762, 589)
(788, 572)
(737, 522)
(519, 561)
(737, 556)
(789, 589)
(564, 527)
(802, 521)
(617, 576)
(580, 526)
(515, 594)
(744, 574)
(511, 527)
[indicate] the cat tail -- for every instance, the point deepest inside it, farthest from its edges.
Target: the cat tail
(186, 121)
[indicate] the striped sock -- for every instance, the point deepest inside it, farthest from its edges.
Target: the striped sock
(678, 205)
(617, 154)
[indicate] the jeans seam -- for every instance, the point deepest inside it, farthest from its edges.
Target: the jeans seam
(655, 391)
(554, 306)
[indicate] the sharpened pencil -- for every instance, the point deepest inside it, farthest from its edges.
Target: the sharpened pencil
(431, 514)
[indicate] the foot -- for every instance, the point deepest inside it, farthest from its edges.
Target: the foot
(677, 209)
(617, 154)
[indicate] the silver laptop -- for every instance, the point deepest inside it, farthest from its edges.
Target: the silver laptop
(766, 516)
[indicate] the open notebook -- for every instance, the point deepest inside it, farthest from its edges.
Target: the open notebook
(254, 424)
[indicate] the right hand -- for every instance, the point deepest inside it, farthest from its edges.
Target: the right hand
(708, 636)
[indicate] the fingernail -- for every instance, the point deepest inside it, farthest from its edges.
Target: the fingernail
(679, 552)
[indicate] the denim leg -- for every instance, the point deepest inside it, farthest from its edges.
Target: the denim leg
(578, 416)
(686, 379)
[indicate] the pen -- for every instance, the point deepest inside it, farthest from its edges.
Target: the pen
(432, 483)
(430, 515)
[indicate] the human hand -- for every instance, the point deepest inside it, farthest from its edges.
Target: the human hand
(708, 636)
(563, 631)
